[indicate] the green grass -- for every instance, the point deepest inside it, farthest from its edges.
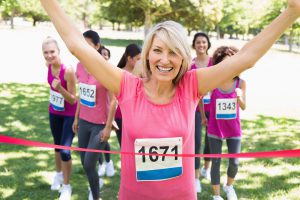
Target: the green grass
(119, 42)
(26, 172)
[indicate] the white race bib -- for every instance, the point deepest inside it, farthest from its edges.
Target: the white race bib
(206, 98)
(87, 94)
(57, 101)
(226, 108)
(158, 168)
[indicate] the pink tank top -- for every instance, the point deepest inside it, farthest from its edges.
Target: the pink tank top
(97, 113)
(69, 109)
(206, 102)
(224, 117)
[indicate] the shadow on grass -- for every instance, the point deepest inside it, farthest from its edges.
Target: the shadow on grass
(25, 172)
(119, 42)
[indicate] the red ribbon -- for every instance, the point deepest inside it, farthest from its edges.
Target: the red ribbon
(266, 154)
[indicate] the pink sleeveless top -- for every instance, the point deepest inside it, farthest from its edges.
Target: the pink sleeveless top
(193, 66)
(222, 122)
(69, 110)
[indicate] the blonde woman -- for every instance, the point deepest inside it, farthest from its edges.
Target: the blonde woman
(159, 111)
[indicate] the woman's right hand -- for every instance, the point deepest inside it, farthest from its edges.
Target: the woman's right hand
(75, 125)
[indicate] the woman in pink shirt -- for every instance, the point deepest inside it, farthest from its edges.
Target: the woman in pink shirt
(62, 107)
(224, 124)
(127, 62)
(159, 111)
(93, 119)
(201, 44)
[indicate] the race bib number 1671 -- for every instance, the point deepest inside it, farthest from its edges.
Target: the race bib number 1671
(158, 168)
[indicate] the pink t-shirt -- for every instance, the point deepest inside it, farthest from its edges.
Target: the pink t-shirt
(145, 119)
(99, 113)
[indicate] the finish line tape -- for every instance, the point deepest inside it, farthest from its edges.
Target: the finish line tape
(266, 154)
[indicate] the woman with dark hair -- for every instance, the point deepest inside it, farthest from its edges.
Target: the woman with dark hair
(201, 44)
(94, 116)
(127, 62)
(106, 167)
(224, 124)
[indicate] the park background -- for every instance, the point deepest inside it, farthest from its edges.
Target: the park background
(270, 122)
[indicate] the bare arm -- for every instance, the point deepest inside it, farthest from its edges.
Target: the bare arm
(76, 118)
(212, 77)
(110, 118)
(108, 76)
(241, 95)
(202, 112)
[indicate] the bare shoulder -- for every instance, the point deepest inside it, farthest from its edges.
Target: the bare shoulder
(69, 72)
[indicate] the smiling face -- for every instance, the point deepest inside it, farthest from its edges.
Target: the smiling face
(201, 45)
(51, 53)
(164, 63)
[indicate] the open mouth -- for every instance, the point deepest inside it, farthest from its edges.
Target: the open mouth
(164, 69)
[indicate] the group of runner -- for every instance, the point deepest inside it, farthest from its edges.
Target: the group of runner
(158, 106)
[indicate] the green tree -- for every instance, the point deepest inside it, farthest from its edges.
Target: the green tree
(10, 9)
(34, 11)
(273, 9)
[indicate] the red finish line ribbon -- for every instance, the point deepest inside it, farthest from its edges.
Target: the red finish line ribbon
(265, 154)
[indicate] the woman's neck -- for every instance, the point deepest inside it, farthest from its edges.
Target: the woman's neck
(202, 60)
(202, 56)
(128, 68)
(159, 92)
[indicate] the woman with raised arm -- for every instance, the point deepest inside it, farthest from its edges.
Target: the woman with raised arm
(159, 111)
(62, 109)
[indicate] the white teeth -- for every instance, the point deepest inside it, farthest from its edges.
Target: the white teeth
(165, 69)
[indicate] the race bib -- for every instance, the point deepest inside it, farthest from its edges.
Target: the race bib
(158, 168)
(226, 108)
(206, 98)
(57, 101)
(87, 94)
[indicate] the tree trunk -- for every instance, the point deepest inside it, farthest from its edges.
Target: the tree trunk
(34, 22)
(218, 32)
(12, 26)
(148, 21)
(291, 40)
(119, 26)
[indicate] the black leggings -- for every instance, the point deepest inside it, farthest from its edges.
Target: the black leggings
(198, 138)
(106, 155)
(234, 146)
(206, 142)
(61, 129)
(119, 132)
(89, 137)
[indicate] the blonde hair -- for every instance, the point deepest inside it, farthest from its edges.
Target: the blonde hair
(50, 40)
(173, 34)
